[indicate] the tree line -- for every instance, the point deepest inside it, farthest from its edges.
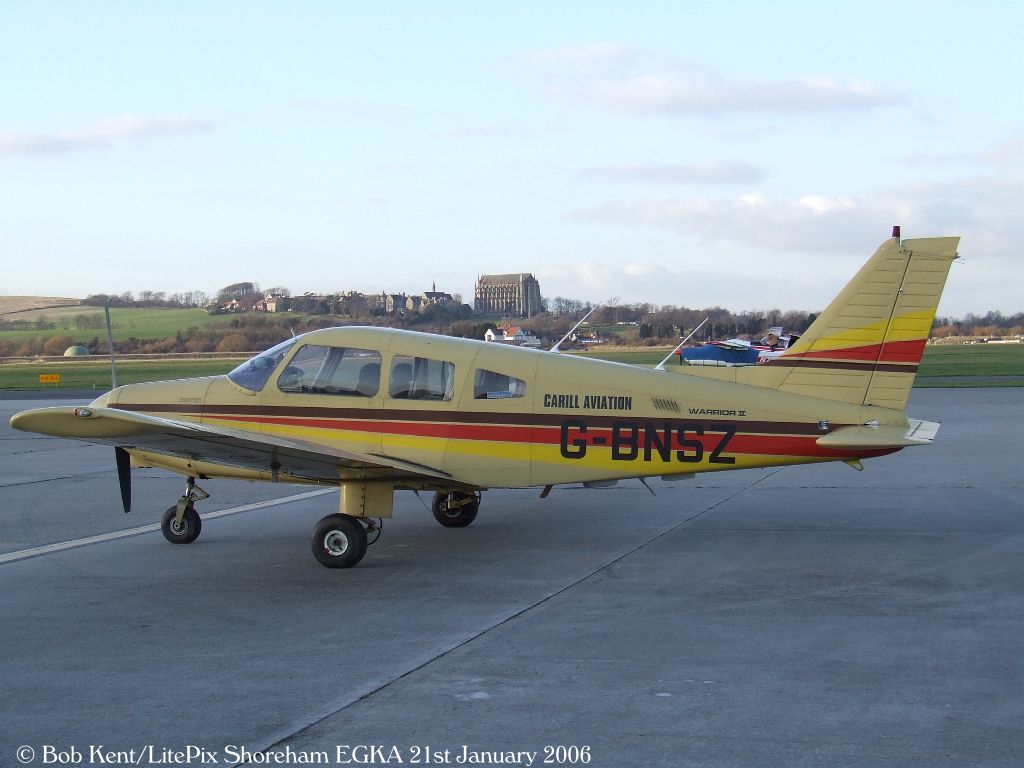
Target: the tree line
(613, 322)
(148, 300)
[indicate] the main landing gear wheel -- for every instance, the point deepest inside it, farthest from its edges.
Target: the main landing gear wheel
(184, 532)
(455, 510)
(339, 541)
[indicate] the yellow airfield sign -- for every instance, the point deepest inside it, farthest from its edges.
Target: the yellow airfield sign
(49, 378)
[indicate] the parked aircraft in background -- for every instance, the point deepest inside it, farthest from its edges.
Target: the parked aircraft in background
(373, 410)
(739, 351)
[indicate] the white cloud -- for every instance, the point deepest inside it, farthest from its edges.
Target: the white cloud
(1003, 155)
(104, 133)
(677, 93)
(622, 80)
(580, 60)
(488, 131)
(1010, 152)
(812, 224)
(640, 270)
(816, 234)
(820, 204)
(734, 286)
(712, 172)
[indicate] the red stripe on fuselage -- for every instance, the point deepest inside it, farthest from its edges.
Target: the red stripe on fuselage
(595, 437)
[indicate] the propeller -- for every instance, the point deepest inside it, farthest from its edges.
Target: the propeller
(124, 477)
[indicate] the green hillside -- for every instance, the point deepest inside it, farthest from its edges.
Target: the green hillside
(83, 323)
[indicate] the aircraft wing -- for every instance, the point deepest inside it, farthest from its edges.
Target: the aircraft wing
(738, 344)
(217, 445)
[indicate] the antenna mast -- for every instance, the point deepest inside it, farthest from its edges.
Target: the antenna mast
(661, 366)
(555, 348)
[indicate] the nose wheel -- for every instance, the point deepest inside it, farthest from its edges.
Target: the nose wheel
(181, 523)
(184, 530)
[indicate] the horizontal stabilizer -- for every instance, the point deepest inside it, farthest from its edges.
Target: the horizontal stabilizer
(870, 436)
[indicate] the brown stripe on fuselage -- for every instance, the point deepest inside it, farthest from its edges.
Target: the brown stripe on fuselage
(212, 410)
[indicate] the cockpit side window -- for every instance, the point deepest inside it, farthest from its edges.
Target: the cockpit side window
(420, 378)
(321, 370)
(490, 385)
(254, 373)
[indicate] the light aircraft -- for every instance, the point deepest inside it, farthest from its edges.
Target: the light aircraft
(738, 351)
(373, 410)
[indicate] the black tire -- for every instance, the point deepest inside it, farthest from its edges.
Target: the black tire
(191, 525)
(339, 541)
(459, 517)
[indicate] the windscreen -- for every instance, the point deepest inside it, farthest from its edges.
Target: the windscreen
(254, 373)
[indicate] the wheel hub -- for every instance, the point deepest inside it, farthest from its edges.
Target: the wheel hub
(335, 543)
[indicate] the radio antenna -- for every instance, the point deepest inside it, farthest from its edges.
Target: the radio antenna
(661, 366)
(555, 348)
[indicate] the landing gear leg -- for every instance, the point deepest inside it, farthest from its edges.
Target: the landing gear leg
(181, 523)
(455, 510)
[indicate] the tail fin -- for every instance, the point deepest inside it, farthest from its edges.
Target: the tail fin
(866, 346)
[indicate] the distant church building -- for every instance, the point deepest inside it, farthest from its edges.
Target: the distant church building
(517, 294)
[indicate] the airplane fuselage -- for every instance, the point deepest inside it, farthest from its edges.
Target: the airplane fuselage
(567, 419)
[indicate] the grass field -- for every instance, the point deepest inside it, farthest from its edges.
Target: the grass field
(973, 360)
(95, 374)
(954, 365)
(144, 324)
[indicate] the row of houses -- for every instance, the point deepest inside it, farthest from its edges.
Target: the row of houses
(506, 333)
(511, 295)
(354, 303)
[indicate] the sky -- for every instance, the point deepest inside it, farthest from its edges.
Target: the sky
(741, 154)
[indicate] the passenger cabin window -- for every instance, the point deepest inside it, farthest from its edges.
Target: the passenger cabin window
(490, 385)
(321, 370)
(419, 378)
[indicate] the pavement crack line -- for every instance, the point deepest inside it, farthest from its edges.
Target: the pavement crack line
(44, 480)
(373, 688)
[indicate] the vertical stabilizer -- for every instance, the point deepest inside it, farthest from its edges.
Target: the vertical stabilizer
(865, 348)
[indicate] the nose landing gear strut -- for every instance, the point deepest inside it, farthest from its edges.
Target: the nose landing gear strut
(181, 523)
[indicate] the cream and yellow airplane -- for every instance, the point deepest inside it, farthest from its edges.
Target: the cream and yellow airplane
(373, 410)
